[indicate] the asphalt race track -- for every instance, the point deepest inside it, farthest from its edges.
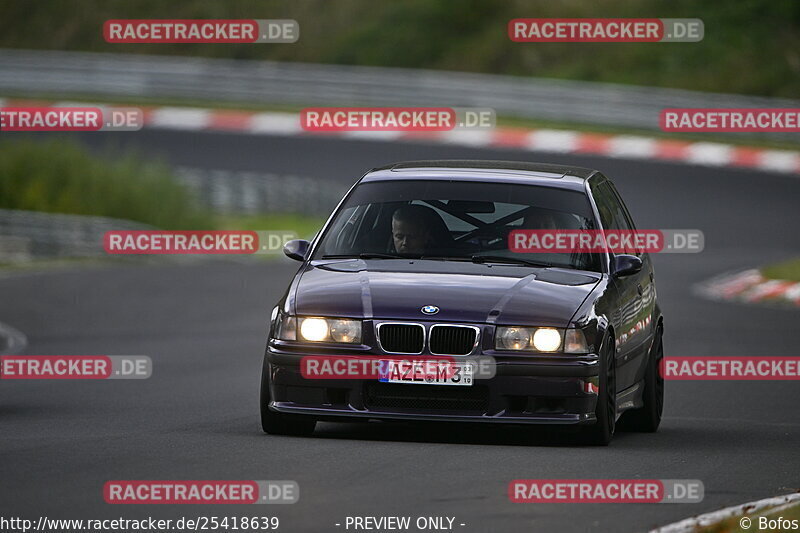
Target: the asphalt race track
(204, 325)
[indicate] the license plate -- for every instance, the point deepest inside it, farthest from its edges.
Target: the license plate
(427, 373)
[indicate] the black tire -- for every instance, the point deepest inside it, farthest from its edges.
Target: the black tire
(276, 423)
(602, 431)
(647, 418)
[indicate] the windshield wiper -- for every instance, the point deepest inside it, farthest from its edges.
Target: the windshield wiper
(512, 260)
(475, 258)
(446, 258)
(369, 256)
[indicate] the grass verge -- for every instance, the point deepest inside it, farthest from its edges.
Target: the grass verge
(60, 176)
(304, 226)
(787, 270)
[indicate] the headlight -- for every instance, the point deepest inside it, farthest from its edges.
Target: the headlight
(519, 338)
(513, 338)
(345, 330)
(314, 329)
(330, 330)
(547, 339)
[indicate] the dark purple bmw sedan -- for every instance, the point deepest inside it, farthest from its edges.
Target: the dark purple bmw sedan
(416, 263)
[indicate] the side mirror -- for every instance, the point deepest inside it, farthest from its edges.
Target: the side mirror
(625, 265)
(296, 249)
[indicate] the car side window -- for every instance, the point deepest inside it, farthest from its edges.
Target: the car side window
(623, 208)
(611, 215)
(616, 215)
(345, 230)
(625, 214)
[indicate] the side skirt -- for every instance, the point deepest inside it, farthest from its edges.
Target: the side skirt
(630, 398)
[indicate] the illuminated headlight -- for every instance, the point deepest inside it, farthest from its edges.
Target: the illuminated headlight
(546, 340)
(314, 329)
(330, 330)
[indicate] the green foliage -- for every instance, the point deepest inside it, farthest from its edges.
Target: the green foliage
(59, 176)
(750, 46)
(788, 270)
(303, 225)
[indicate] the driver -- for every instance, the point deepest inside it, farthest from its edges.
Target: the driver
(413, 229)
(542, 219)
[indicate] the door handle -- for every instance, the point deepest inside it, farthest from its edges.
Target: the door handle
(639, 289)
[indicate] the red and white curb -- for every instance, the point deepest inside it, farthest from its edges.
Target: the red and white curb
(750, 286)
(537, 140)
(691, 525)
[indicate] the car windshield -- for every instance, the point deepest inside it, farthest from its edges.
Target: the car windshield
(454, 220)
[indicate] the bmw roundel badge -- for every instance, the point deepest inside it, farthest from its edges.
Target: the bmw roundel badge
(430, 309)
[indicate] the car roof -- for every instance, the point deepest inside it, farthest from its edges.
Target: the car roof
(520, 172)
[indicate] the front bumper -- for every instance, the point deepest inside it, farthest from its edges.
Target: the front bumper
(547, 391)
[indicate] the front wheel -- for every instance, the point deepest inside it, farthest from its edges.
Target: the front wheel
(276, 423)
(602, 431)
(647, 418)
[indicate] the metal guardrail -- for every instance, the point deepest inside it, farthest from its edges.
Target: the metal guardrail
(250, 193)
(269, 82)
(25, 235)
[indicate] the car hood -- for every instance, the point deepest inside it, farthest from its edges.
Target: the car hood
(463, 292)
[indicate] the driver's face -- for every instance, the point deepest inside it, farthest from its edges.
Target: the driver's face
(409, 238)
